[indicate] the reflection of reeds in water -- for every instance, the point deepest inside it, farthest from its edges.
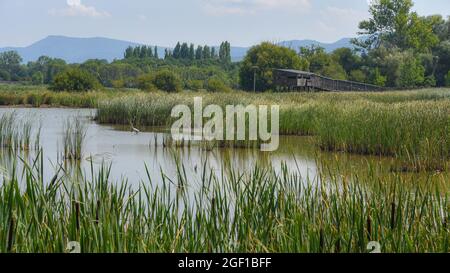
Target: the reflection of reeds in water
(73, 139)
(254, 211)
(168, 142)
(17, 133)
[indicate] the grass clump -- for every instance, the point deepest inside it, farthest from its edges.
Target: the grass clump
(17, 133)
(73, 139)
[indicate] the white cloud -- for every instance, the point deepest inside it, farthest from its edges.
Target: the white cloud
(253, 6)
(76, 8)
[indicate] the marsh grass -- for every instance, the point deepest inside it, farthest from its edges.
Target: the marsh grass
(412, 126)
(254, 211)
(40, 96)
(73, 139)
(17, 133)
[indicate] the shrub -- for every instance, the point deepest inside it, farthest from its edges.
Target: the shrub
(194, 85)
(145, 82)
(37, 78)
(4, 75)
(216, 85)
(430, 81)
(166, 80)
(74, 80)
(378, 79)
(357, 76)
(412, 73)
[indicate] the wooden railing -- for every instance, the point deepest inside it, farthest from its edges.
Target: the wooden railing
(328, 84)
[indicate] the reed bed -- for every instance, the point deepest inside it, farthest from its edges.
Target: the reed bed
(40, 96)
(17, 133)
(410, 125)
(254, 211)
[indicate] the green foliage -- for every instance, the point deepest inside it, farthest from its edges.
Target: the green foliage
(214, 84)
(430, 81)
(74, 79)
(411, 73)
(38, 78)
(166, 80)
(378, 79)
(263, 59)
(347, 58)
(357, 76)
(194, 85)
(447, 79)
(317, 57)
(145, 82)
(392, 24)
(10, 68)
(4, 75)
(335, 71)
(140, 52)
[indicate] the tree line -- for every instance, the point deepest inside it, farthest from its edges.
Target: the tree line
(183, 51)
(396, 48)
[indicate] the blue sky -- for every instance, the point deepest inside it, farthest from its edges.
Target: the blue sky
(164, 22)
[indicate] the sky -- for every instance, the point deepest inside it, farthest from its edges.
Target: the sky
(164, 22)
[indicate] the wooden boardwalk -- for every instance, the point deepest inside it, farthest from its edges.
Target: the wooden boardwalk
(296, 80)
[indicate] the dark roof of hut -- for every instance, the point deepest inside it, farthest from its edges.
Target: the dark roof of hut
(293, 71)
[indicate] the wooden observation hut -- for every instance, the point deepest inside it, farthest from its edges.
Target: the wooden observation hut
(297, 80)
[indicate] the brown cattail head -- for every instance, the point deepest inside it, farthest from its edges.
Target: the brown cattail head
(369, 228)
(12, 224)
(392, 215)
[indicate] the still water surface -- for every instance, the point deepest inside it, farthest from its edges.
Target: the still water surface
(128, 153)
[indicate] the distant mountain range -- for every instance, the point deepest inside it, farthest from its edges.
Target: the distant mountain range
(78, 50)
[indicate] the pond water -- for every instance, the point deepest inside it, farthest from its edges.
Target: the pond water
(129, 153)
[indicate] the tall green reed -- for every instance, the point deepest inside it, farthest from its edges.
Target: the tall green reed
(257, 210)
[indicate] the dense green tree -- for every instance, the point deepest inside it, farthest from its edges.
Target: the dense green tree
(225, 52)
(206, 54)
(168, 81)
(129, 52)
(199, 53)
(10, 58)
(191, 52)
(74, 79)
(263, 59)
(317, 57)
(335, 71)
(357, 76)
(177, 51)
(377, 78)
(412, 73)
(10, 64)
(392, 24)
(37, 78)
(184, 51)
(347, 58)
